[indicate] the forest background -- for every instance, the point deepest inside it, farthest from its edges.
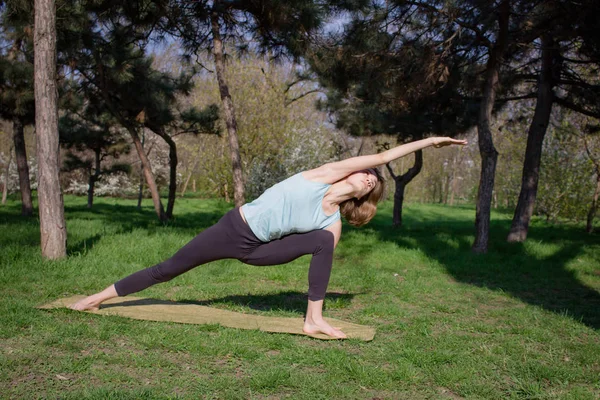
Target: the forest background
(218, 99)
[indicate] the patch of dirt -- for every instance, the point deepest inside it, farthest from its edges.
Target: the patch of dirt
(447, 393)
(31, 378)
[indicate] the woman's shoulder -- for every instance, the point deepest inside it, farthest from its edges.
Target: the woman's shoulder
(318, 175)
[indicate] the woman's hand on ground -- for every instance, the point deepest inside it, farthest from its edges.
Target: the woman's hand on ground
(447, 141)
(85, 304)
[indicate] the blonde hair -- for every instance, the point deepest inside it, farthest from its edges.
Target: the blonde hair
(358, 212)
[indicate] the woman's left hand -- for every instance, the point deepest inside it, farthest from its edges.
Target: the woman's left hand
(447, 141)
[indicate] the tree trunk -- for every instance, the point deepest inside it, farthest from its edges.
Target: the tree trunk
(147, 170)
(454, 184)
(447, 189)
(535, 140)
(488, 152)
(91, 184)
(230, 121)
(93, 179)
(172, 170)
(141, 188)
(187, 181)
(53, 231)
(589, 228)
(6, 174)
(401, 182)
(21, 157)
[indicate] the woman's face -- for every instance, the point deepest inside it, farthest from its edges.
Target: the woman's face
(362, 181)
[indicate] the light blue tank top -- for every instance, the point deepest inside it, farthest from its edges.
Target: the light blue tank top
(291, 206)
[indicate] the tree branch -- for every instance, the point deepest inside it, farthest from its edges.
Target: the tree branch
(486, 42)
(576, 108)
(525, 96)
(391, 171)
(288, 102)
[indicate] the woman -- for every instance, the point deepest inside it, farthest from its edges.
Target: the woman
(298, 216)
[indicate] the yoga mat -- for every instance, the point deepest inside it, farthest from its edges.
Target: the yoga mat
(171, 311)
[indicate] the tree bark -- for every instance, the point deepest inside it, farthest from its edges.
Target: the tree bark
(454, 184)
(172, 170)
(141, 187)
(535, 140)
(230, 121)
(93, 179)
(53, 231)
(187, 181)
(589, 228)
(401, 182)
(488, 152)
(23, 167)
(446, 188)
(6, 175)
(147, 170)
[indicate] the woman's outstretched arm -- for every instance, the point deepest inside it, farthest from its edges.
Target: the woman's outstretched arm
(333, 172)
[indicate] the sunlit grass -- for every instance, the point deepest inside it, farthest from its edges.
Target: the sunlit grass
(520, 322)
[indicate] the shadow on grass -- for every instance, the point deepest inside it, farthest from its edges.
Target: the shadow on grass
(290, 301)
(537, 277)
(130, 217)
(113, 219)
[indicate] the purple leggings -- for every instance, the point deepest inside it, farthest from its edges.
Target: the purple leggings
(231, 237)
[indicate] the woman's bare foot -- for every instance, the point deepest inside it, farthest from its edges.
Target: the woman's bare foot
(314, 322)
(321, 326)
(93, 302)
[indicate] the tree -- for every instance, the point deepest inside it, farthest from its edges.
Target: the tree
(595, 160)
(122, 79)
(401, 181)
(569, 62)
(17, 99)
(85, 128)
(190, 120)
(280, 136)
(488, 152)
(6, 176)
(274, 26)
(236, 163)
(52, 221)
(387, 72)
(548, 78)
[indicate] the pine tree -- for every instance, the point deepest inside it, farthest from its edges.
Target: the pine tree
(85, 128)
(17, 98)
(380, 79)
(567, 76)
(51, 209)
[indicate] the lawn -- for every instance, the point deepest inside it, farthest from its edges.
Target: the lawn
(521, 322)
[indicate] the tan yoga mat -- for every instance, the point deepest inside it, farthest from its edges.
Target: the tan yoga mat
(171, 311)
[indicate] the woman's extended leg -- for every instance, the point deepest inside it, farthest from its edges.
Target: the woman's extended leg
(215, 243)
(320, 244)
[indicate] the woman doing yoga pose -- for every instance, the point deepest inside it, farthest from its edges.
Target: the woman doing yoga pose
(298, 216)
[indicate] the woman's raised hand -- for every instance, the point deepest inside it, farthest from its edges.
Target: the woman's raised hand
(447, 141)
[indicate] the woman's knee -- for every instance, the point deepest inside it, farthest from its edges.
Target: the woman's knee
(163, 272)
(324, 241)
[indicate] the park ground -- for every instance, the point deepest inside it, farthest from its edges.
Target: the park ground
(520, 322)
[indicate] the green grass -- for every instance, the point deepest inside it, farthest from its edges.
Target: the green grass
(521, 322)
